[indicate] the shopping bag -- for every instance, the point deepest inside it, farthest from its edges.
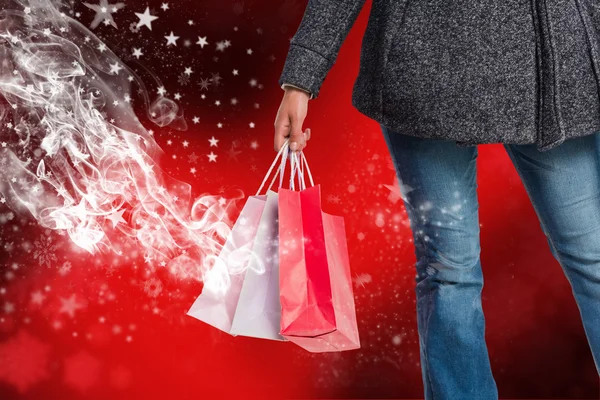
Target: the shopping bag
(316, 296)
(258, 311)
(224, 282)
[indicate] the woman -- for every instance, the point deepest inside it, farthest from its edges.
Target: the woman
(441, 77)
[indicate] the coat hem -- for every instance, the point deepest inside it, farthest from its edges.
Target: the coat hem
(395, 126)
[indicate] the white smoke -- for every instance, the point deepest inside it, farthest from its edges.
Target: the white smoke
(74, 155)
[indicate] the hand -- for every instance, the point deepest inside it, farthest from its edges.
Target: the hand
(289, 120)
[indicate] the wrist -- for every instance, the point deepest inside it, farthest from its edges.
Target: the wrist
(291, 89)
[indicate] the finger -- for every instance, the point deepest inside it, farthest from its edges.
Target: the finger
(296, 135)
(281, 132)
(306, 135)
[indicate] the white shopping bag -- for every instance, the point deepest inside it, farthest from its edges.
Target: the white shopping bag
(216, 304)
(258, 312)
(243, 257)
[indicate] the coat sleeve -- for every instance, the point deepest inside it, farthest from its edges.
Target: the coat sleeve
(289, 84)
(315, 45)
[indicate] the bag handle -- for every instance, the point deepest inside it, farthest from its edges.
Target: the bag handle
(296, 168)
(292, 171)
(298, 161)
(284, 150)
(304, 162)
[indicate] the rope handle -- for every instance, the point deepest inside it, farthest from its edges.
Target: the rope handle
(283, 150)
(298, 163)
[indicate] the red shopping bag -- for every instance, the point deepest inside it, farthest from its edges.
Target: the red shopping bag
(317, 301)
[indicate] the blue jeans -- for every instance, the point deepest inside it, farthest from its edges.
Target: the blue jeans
(439, 189)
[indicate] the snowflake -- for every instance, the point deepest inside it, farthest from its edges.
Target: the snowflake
(44, 251)
(333, 199)
(133, 27)
(65, 268)
(110, 270)
(204, 83)
(23, 361)
(183, 79)
(153, 287)
(362, 279)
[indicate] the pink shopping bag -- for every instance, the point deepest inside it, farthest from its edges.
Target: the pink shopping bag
(317, 300)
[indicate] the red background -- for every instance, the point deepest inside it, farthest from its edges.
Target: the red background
(535, 337)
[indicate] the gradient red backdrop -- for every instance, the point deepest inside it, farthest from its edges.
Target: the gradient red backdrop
(128, 335)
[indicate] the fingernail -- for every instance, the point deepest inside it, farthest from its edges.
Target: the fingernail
(293, 146)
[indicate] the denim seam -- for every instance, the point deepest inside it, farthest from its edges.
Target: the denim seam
(546, 231)
(533, 203)
(536, 208)
(429, 294)
(430, 306)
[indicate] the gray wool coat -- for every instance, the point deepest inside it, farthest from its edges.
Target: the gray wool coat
(475, 71)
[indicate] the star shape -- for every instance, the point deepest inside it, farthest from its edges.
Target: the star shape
(202, 41)
(145, 19)
(70, 305)
(397, 191)
(115, 68)
(171, 39)
(116, 217)
(233, 153)
(221, 46)
(137, 53)
(104, 12)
